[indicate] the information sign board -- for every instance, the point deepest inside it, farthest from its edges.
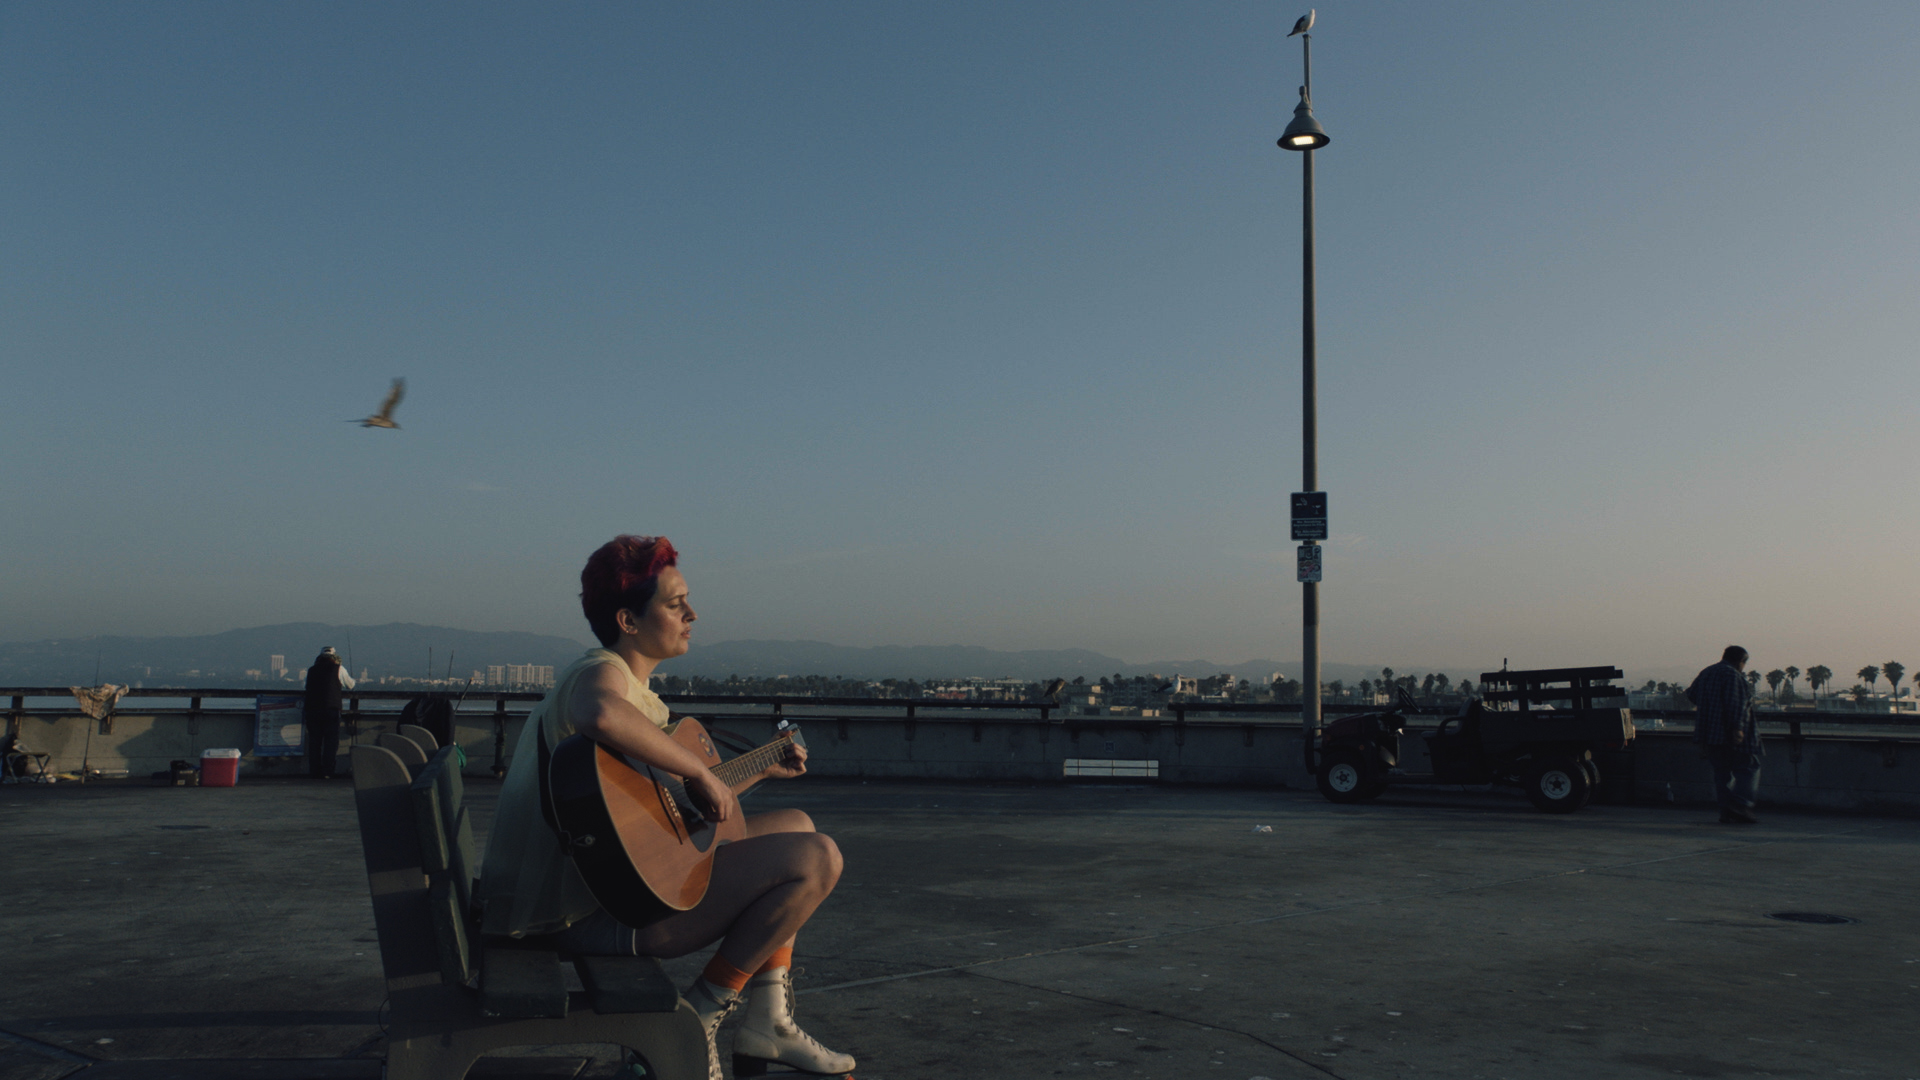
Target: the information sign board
(278, 730)
(1309, 563)
(1309, 515)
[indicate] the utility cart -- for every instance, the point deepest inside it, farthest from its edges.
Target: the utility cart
(1538, 730)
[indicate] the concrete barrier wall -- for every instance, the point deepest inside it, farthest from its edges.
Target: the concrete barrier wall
(1839, 773)
(141, 744)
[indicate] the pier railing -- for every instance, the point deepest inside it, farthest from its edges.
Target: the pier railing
(1838, 760)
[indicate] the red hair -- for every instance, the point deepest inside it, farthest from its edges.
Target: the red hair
(623, 573)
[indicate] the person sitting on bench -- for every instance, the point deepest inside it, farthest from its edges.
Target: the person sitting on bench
(763, 889)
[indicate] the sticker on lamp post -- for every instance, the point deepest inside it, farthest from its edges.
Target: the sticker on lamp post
(1309, 564)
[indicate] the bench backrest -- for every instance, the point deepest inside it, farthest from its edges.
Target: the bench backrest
(448, 854)
(409, 752)
(420, 735)
(396, 870)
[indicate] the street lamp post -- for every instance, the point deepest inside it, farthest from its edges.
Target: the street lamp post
(1305, 135)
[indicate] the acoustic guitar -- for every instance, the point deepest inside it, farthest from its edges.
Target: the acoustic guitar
(643, 846)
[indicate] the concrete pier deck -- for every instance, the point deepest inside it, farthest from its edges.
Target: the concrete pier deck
(1003, 931)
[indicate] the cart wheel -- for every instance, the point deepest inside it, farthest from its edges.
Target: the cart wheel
(1558, 784)
(1343, 777)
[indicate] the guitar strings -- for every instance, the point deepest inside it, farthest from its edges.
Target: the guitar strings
(752, 760)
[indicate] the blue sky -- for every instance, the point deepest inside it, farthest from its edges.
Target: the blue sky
(970, 324)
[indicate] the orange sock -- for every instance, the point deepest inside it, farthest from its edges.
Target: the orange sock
(782, 957)
(720, 973)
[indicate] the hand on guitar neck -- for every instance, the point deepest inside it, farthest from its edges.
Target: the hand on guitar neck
(718, 798)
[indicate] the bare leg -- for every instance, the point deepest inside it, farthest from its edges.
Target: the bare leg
(779, 821)
(764, 889)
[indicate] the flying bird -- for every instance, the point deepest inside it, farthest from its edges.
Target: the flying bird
(384, 418)
(1305, 24)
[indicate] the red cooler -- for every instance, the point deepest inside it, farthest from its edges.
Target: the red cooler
(219, 768)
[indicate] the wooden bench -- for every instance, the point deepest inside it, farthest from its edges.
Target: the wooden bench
(454, 996)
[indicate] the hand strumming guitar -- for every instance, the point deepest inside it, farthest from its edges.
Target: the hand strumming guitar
(715, 799)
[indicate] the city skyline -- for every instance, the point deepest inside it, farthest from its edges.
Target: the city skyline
(215, 660)
(971, 325)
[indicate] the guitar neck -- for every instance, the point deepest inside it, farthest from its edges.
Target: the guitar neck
(741, 771)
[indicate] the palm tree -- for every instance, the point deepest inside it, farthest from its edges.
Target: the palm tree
(1774, 679)
(1818, 676)
(1753, 679)
(1871, 674)
(1792, 674)
(1894, 671)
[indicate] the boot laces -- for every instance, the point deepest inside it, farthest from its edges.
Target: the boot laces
(785, 1025)
(786, 1001)
(713, 1031)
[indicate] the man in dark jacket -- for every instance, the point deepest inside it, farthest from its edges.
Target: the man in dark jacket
(1724, 728)
(325, 680)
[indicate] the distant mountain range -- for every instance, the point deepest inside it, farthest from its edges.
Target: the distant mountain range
(401, 649)
(224, 659)
(923, 662)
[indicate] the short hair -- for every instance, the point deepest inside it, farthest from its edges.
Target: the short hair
(1734, 655)
(623, 573)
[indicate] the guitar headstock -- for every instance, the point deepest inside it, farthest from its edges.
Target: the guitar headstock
(791, 730)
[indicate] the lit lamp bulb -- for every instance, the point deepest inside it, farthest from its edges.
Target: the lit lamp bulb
(1304, 133)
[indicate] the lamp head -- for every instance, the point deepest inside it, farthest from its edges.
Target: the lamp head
(1304, 132)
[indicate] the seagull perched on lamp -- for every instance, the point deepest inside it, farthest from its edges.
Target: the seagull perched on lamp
(1304, 24)
(384, 418)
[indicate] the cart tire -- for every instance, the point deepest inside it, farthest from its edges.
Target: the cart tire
(1558, 784)
(1343, 777)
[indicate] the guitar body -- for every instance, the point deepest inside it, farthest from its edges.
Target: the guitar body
(645, 851)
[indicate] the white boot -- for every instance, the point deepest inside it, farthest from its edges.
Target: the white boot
(712, 1003)
(767, 1032)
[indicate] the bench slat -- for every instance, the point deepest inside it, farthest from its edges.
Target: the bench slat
(450, 933)
(429, 819)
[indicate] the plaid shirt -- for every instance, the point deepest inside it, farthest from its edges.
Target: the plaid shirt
(1724, 699)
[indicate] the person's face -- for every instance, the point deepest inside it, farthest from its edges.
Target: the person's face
(665, 628)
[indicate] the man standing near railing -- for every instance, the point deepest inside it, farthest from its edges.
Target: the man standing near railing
(1724, 728)
(321, 712)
